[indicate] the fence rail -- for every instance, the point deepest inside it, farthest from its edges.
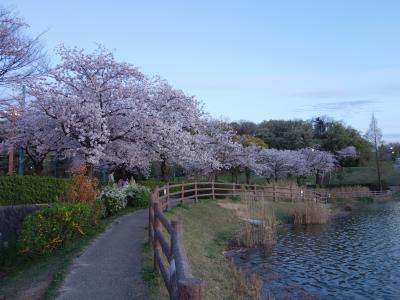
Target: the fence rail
(170, 259)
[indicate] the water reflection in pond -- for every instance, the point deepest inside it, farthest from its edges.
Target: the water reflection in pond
(353, 257)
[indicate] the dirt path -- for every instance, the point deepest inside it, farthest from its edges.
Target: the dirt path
(110, 266)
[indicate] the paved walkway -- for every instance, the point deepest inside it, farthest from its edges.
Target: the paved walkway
(110, 266)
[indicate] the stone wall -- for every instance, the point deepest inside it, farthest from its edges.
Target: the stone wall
(12, 217)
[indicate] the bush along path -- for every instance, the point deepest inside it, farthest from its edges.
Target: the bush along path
(110, 267)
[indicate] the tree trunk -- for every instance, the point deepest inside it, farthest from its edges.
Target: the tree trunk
(38, 166)
(11, 161)
(89, 170)
(247, 174)
(164, 171)
(317, 179)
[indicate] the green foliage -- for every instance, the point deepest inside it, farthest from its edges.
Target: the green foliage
(365, 200)
(236, 198)
(333, 135)
(53, 227)
(281, 134)
(30, 189)
(151, 183)
(284, 217)
(248, 140)
(396, 196)
(113, 198)
(137, 195)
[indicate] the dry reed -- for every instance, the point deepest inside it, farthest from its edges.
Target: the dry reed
(310, 212)
(248, 286)
(259, 224)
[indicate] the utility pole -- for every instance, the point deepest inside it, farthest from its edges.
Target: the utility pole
(21, 152)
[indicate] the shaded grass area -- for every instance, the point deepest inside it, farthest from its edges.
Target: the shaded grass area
(208, 229)
(40, 278)
(367, 175)
(153, 281)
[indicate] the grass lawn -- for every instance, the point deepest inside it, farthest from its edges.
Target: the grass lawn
(367, 175)
(40, 278)
(207, 230)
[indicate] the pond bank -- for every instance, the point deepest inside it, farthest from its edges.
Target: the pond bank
(352, 256)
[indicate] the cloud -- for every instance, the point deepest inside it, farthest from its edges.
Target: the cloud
(345, 106)
(322, 94)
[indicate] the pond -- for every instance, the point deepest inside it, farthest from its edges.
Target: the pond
(353, 257)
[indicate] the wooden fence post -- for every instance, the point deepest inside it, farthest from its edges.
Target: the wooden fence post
(234, 189)
(166, 197)
(195, 192)
(174, 276)
(182, 193)
(291, 191)
(156, 243)
(151, 217)
(273, 191)
(212, 190)
(192, 289)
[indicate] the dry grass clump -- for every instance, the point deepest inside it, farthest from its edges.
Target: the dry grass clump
(259, 224)
(248, 286)
(310, 212)
(258, 235)
(347, 192)
(82, 188)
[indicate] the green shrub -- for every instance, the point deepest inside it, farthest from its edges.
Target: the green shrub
(236, 198)
(396, 196)
(31, 189)
(365, 199)
(284, 217)
(137, 195)
(51, 228)
(113, 198)
(100, 208)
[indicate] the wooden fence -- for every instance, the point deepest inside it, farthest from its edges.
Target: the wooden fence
(166, 235)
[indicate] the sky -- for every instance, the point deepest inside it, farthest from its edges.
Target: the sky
(247, 60)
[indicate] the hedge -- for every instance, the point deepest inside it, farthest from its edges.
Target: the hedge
(30, 189)
(53, 227)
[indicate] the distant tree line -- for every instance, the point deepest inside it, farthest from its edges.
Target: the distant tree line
(321, 133)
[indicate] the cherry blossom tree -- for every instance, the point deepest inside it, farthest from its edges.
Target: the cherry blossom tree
(177, 120)
(249, 154)
(93, 99)
(126, 155)
(247, 161)
(275, 163)
(219, 145)
(318, 162)
(347, 152)
(39, 136)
